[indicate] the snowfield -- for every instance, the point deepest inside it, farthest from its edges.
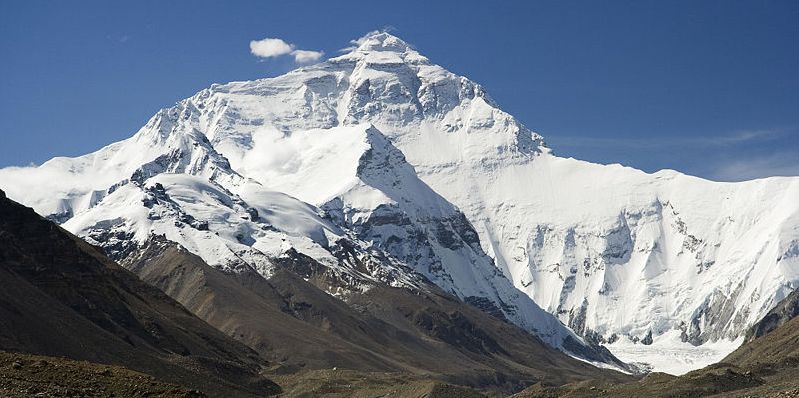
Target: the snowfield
(671, 355)
(420, 170)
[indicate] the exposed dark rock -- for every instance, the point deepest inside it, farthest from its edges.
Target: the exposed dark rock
(116, 242)
(613, 338)
(647, 340)
(786, 310)
(455, 329)
(60, 218)
(253, 213)
(486, 306)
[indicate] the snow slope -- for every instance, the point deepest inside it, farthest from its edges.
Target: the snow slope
(418, 163)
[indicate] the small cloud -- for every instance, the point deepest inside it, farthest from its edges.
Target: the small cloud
(270, 47)
(122, 39)
(742, 136)
(273, 47)
(303, 56)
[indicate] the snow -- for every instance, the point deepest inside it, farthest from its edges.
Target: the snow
(671, 355)
(383, 148)
(617, 230)
(291, 164)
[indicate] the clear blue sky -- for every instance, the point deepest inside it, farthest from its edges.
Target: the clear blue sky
(710, 88)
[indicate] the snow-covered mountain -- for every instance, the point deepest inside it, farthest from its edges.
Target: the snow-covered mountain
(381, 153)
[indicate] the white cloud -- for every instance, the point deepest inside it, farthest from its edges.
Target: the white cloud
(270, 47)
(302, 56)
(777, 164)
(735, 156)
(273, 47)
(668, 141)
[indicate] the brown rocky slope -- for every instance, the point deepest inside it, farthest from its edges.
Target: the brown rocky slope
(293, 321)
(62, 297)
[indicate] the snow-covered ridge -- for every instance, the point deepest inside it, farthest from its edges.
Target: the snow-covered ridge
(390, 150)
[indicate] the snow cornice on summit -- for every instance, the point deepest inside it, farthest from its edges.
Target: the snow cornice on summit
(378, 45)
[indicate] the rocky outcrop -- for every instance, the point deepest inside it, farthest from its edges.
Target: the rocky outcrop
(786, 310)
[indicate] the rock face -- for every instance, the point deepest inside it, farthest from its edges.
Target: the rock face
(786, 310)
(387, 168)
(63, 297)
(773, 345)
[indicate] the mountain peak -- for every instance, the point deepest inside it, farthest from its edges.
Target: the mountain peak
(381, 47)
(381, 41)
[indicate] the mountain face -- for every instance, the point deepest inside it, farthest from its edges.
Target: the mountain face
(772, 345)
(65, 298)
(389, 170)
(62, 297)
(786, 310)
(765, 365)
(290, 320)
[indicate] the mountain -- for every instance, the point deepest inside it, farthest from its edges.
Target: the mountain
(382, 225)
(764, 366)
(289, 319)
(388, 169)
(62, 297)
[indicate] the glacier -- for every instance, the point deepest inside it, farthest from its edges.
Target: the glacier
(416, 170)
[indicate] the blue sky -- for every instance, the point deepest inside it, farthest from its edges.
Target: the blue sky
(710, 88)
